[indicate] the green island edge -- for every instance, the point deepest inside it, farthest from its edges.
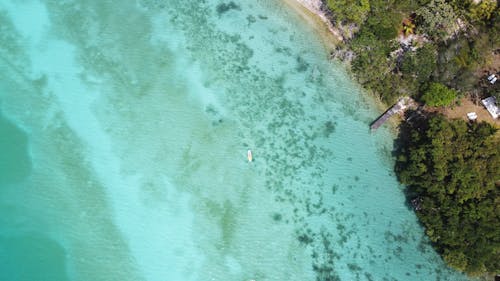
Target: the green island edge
(439, 53)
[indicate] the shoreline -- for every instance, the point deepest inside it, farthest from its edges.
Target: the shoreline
(310, 11)
(457, 110)
(314, 7)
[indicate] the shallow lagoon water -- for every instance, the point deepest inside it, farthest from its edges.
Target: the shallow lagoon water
(124, 130)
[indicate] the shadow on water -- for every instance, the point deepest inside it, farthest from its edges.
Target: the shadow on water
(15, 162)
(32, 257)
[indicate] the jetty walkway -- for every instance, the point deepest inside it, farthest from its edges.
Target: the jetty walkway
(400, 106)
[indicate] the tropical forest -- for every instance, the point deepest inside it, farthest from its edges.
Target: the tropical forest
(437, 52)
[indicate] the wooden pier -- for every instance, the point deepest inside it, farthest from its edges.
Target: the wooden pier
(399, 106)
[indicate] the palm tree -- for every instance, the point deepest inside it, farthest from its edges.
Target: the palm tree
(408, 26)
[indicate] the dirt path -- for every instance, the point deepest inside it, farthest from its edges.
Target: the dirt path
(468, 106)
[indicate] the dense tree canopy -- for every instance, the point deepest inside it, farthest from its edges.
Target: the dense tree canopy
(453, 168)
(437, 19)
(415, 48)
(401, 46)
(482, 11)
(439, 95)
(349, 11)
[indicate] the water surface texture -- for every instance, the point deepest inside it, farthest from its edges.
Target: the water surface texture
(124, 127)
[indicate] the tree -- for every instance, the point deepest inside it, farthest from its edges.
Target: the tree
(420, 64)
(408, 26)
(437, 19)
(384, 24)
(482, 11)
(439, 95)
(453, 167)
(350, 11)
(427, 56)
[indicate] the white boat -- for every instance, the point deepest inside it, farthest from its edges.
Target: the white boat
(249, 155)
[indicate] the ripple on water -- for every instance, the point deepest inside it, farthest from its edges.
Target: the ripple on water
(181, 90)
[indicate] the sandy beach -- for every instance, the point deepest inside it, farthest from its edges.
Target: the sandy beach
(314, 7)
(311, 11)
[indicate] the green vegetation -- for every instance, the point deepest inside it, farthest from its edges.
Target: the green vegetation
(453, 168)
(349, 11)
(401, 47)
(436, 51)
(437, 19)
(439, 95)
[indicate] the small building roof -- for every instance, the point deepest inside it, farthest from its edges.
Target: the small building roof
(491, 106)
(492, 78)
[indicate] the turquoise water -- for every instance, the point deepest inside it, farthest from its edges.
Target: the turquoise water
(124, 127)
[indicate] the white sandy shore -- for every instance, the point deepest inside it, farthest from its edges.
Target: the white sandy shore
(314, 6)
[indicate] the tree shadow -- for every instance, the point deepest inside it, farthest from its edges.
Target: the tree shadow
(414, 119)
